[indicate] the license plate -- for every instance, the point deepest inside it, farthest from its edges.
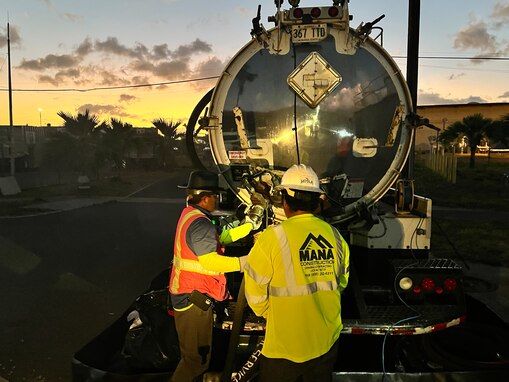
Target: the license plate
(309, 33)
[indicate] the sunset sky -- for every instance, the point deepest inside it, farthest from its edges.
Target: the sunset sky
(101, 55)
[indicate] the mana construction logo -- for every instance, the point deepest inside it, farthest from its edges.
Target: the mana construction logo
(316, 249)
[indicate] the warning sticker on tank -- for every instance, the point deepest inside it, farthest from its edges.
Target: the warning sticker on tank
(238, 154)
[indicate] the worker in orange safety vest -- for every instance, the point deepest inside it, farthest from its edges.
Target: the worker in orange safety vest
(197, 277)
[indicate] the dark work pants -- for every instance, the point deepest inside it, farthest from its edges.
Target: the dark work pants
(282, 370)
(194, 328)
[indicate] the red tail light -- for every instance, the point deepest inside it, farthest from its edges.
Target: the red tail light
(333, 12)
(450, 284)
(439, 290)
(298, 13)
(316, 12)
(428, 283)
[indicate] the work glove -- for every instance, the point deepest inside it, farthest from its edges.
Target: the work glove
(243, 262)
(255, 223)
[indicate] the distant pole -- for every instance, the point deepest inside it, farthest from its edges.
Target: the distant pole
(11, 128)
(40, 117)
(412, 67)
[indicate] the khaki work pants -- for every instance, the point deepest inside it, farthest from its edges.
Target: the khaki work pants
(194, 328)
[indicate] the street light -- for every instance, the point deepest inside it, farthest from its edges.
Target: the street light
(40, 117)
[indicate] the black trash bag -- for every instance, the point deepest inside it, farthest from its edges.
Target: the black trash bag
(151, 343)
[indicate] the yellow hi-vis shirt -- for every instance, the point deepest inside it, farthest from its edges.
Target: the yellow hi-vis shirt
(293, 277)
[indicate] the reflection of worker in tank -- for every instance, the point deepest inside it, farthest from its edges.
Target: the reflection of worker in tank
(294, 276)
(338, 163)
(197, 277)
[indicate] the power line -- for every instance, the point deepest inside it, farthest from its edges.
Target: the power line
(489, 58)
(115, 87)
(216, 77)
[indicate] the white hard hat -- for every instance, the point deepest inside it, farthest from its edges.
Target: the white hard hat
(300, 178)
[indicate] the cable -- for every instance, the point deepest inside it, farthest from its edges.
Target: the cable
(458, 58)
(385, 339)
(114, 87)
(417, 314)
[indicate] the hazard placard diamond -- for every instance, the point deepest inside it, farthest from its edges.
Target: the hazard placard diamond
(314, 79)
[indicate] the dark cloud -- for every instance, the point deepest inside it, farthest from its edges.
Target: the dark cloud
(60, 77)
(112, 46)
(68, 73)
(197, 46)
(456, 76)
(48, 80)
(430, 98)
(476, 36)
(483, 36)
(105, 111)
(142, 65)
(85, 48)
(160, 52)
(14, 36)
(211, 67)
(505, 95)
(109, 78)
(167, 69)
(171, 69)
(500, 14)
(51, 61)
(139, 80)
(127, 98)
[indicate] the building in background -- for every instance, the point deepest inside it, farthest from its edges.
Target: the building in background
(442, 116)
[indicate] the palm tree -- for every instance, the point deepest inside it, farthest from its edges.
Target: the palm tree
(117, 141)
(82, 127)
(473, 127)
(169, 131)
(498, 133)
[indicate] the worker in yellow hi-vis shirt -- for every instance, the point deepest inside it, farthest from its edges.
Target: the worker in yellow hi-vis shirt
(293, 278)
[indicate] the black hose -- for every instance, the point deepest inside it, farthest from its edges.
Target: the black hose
(238, 323)
(191, 149)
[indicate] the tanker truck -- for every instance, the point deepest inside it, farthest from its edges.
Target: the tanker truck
(314, 90)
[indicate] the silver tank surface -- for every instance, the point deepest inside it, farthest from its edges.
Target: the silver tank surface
(335, 101)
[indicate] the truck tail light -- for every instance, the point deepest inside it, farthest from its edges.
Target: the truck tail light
(316, 12)
(298, 13)
(333, 12)
(428, 283)
(450, 284)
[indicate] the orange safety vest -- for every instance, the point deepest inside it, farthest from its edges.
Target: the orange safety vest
(187, 273)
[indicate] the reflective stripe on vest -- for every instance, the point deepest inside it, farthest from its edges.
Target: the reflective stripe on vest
(339, 244)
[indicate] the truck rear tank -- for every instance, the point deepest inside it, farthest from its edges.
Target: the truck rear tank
(313, 90)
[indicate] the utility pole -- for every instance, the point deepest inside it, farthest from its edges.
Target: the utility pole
(412, 67)
(11, 128)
